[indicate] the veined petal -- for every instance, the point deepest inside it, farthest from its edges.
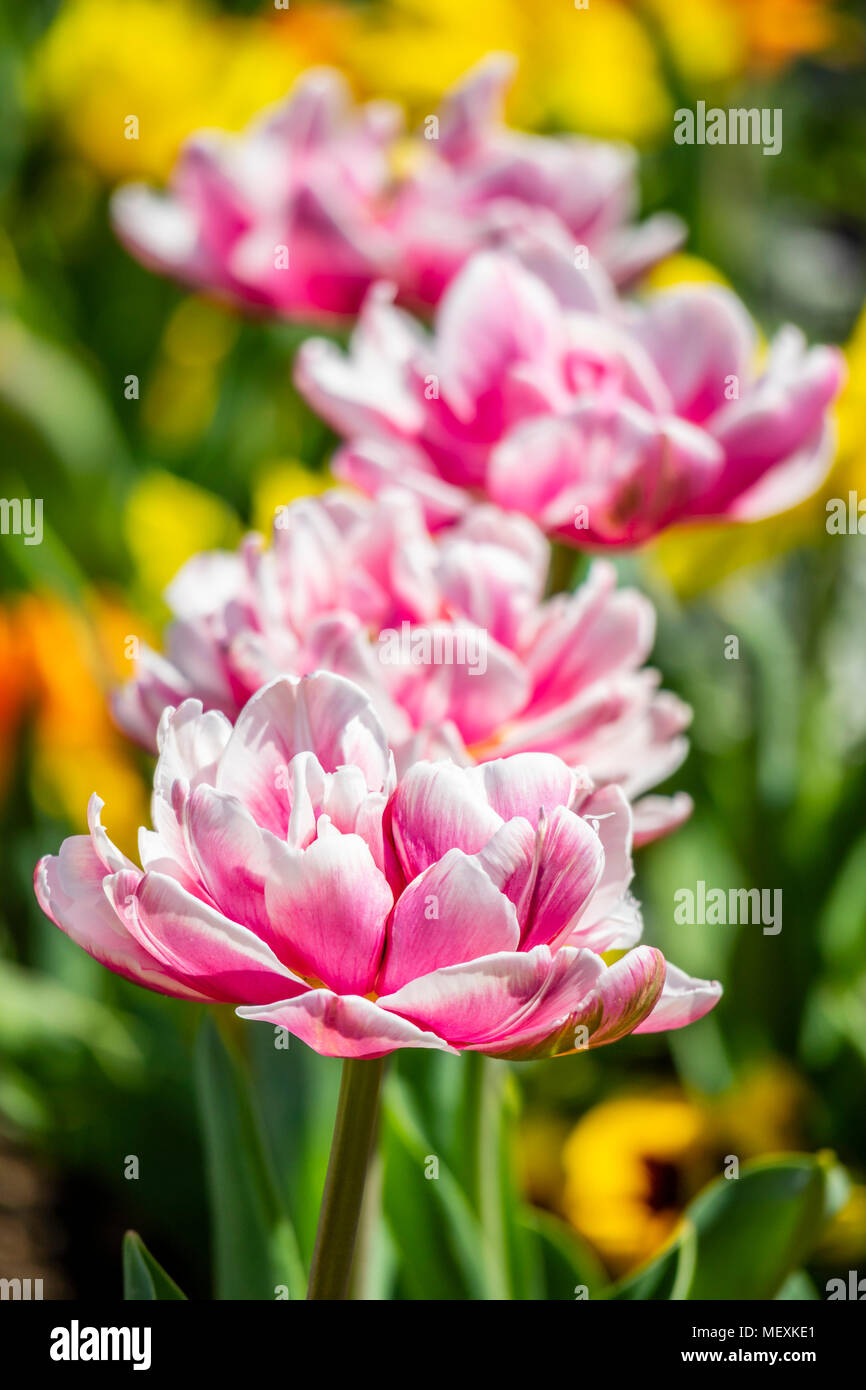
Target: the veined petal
(452, 912)
(683, 1000)
(328, 905)
(323, 714)
(221, 959)
(345, 1025)
(69, 889)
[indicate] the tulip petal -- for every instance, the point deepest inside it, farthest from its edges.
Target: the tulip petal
(436, 808)
(323, 714)
(337, 1025)
(451, 913)
(328, 905)
(219, 958)
(683, 1000)
(621, 996)
(69, 889)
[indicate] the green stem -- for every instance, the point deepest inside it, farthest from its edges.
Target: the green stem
(351, 1147)
(484, 1132)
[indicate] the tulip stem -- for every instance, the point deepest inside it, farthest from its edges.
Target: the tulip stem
(483, 1120)
(351, 1149)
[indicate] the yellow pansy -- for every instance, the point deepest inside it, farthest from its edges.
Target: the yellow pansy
(629, 1169)
(632, 1164)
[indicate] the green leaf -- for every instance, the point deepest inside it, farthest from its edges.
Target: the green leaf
(144, 1277)
(255, 1250)
(743, 1238)
(566, 1263)
(296, 1094)
(668, 1277)
(797, 1288)
(435, 1232)
(756, 1230)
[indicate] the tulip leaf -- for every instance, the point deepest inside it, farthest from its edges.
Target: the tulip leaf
(756, 1230)
(255, 1249)
(435, 1232)
(144, 1277)
(296, 1091)
(750, 1234)
(666, 1278)
(568, 1269)
(797, 1288)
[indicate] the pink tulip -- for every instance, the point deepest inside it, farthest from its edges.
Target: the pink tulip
(302, 212)
(447, 632)
(284, 217)
(604, 422)
(479, 184)
(288, 873)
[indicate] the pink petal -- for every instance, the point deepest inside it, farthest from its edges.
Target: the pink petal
(479, 1000)
(617, 999)
(682, 1001)
(328, 905)
(699, 336)
(436, 808)
(568, 864)
(374, 464)
(323, 714)
(69, 889)
(232, 856)
(655, 816)
(494, 316)
(344, 1025)
(525, 784)
(204, 949)
(450, 913)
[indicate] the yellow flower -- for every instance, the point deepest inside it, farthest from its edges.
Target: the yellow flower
(173, 65)
(539, 1143)
(593, 70)
(693, 558)
(630, 1166)
(716, 40)
(633, 1163)
(778, 31)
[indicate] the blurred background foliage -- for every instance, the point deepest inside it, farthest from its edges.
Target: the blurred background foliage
(214, 437)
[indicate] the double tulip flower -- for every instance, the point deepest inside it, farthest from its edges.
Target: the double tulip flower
(291, 873)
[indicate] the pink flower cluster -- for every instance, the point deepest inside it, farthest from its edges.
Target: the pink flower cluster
(448, 633)
(301, 213)
(397, 786)
(605, 422)
(290, 873)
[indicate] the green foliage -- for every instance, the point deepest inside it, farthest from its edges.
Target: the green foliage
(255, 1250)
(143, 1276)
(746, 1237)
